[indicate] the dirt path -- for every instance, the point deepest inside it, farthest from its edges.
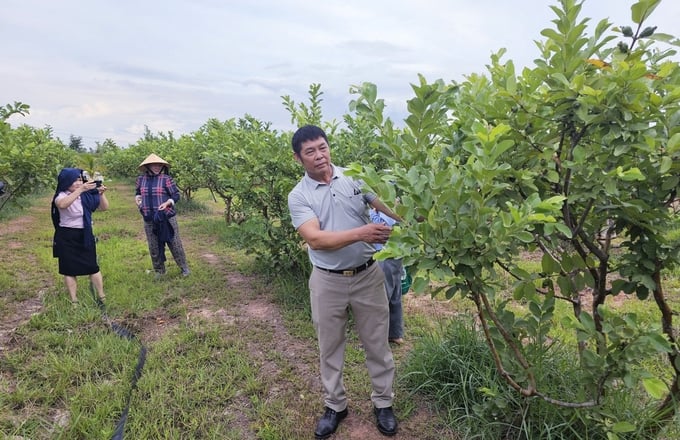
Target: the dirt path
(16, 305)
(256, 310)
(251, 311)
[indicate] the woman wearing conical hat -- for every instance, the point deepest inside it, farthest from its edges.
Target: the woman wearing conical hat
(155, 196)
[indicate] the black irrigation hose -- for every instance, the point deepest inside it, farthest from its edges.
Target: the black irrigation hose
(141, 359)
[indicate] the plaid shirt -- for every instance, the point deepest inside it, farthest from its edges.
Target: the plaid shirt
(155, 190)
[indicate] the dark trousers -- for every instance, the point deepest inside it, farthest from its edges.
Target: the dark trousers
(175, 247)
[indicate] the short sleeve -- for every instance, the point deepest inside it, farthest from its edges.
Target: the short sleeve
(300, 210)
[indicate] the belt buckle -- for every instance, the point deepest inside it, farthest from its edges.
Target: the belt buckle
(347, 273)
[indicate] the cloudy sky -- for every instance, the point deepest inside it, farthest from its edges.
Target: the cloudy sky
(102, 69)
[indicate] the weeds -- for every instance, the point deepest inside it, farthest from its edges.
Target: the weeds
(223, 361)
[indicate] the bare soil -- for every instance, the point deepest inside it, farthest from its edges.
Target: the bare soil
(15, 314)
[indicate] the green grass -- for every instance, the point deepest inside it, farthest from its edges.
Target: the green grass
(231, 351)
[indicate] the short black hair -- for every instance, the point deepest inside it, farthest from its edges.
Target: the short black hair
(306, 133)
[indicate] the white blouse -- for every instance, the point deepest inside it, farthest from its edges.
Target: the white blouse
(71, 217)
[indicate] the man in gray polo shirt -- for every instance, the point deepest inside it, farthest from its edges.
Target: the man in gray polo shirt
(331, 213)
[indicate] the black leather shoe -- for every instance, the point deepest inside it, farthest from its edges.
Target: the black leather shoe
(329, 422)
(387, 423)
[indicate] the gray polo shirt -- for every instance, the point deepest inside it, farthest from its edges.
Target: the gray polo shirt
(338, 207)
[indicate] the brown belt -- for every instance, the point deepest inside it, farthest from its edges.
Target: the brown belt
(350, 272)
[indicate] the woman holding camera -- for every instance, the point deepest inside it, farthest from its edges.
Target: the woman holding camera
(74, 244)
(155, 196)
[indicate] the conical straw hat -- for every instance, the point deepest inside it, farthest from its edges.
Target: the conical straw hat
(152, 158)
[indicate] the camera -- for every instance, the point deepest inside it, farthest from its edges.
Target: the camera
(98, 178)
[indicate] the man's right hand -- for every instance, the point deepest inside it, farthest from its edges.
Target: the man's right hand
(376, 233)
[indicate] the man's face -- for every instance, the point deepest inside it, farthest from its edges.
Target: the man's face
(315, 156)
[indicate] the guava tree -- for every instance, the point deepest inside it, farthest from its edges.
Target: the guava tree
(574, 162)
(249, 167)
(218, 164)
(262, 180)
(355, 142)
(30, 158)
(121, 162)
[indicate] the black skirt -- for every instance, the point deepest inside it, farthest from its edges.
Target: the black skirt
(74, 257)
